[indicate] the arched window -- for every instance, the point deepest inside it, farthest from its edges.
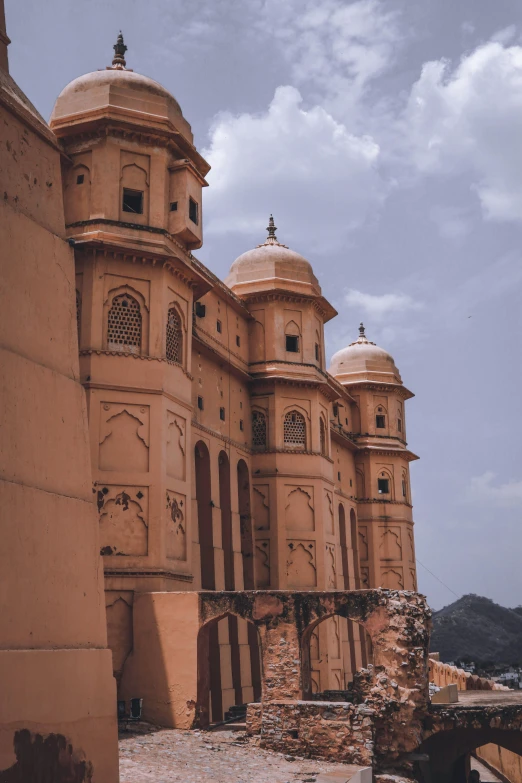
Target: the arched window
(174, 337)
(124, 324)
(294, 430)
(322, 436)
(385, 484)
(258, 430)
(380, 418)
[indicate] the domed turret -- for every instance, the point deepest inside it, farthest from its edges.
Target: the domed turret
(118, 93)
(363, 360)
(272, 265)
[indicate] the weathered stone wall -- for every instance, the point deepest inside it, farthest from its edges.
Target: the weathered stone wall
(342, 732)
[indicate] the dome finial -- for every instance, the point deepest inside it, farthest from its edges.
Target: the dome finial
(271, 228)
(361, 330)
(119, 53)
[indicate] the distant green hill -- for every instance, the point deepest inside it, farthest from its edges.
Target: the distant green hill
(477, 628)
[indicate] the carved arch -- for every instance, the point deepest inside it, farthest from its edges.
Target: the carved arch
(175, 334)
(384, 473)
(259, 428)
(124, 332)
(294, 430)
(292, 328)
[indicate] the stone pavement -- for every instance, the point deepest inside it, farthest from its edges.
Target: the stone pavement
(150, 755)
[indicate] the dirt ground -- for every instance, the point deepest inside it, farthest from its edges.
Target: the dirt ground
(168, 756)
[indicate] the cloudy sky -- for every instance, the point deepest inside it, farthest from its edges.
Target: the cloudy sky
(386, 138)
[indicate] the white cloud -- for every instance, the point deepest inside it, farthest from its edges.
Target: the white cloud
(470, 120)
(318, 179)
(482, 489)
(379, 307)
(452, 222)
(337, 46)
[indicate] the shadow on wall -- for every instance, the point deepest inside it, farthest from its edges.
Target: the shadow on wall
(332, 652)
(449, 751)
(243, 653)
(46, 760)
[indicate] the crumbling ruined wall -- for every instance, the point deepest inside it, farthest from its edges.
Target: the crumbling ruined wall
(313, 728)
(386, 723)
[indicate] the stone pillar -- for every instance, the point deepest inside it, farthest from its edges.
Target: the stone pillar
(281, 662)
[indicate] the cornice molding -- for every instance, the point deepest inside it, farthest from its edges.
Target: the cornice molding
(101, 127)
(128, 354)
(384, 502)
(107, 572)
(240, 446)
(199, 344)
(286, 296)
(401, 390)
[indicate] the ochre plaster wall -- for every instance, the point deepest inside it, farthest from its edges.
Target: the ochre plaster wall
(55, 670)
(503, 761)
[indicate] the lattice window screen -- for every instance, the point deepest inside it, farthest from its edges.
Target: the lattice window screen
(322, 433)
(258, 429)
(78, 311)
(174, 337)
(124, 324)
(295, 430)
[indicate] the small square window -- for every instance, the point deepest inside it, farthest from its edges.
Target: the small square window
(173, 206)
(317, 352)
(238, 340)
(201, 310)
(399, 425)
(380, 422)
(193, 211)
(241, 424)
(222, 414)
(200, 403)
(80, 179)
(292, 343)
(132, 201)
(383, 485)
(218, 326)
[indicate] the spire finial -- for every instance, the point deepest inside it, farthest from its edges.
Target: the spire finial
(271, 228)
(119, 53)
(361, 330)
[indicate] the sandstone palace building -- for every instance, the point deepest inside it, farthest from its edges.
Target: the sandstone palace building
(225, 454)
